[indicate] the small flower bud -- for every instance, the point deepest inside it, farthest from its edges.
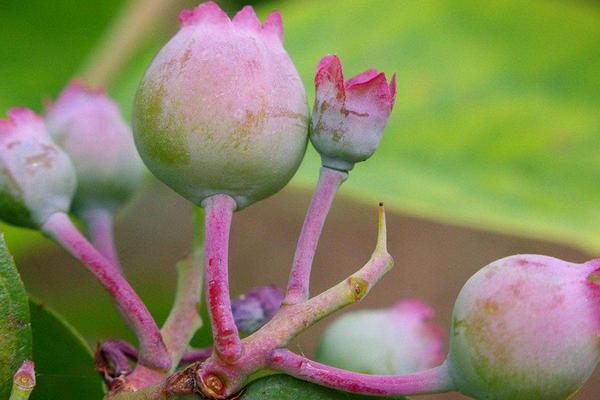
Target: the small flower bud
(37, 178)
(90, 128)
(349, 116)
(23, 381)
(394, 341)
(222, 109)
(526, 327)
(255, 308)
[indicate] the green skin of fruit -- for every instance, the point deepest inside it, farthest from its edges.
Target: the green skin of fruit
(525, 328)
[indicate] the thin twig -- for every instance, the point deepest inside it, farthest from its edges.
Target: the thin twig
(184, 321)
(435, 380)
(291, 320)
(298, 285)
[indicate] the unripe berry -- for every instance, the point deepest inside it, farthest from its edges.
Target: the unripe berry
(349, 116)
(222, 109)
(526, 327)
(37, 178)
(392, 341)
(89, 126)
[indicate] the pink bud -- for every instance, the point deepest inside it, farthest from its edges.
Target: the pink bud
(393, 341)
(23, 381)
(222, 109)
(36, 177)
(526, 327)
(349, 116)
(90, 128)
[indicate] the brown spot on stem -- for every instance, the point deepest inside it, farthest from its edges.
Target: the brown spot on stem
(214, 383)
(184, 382)
(358, 288)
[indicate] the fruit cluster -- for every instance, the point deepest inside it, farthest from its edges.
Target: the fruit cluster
(221, 117)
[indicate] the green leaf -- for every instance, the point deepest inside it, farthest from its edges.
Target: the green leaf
(15, 330)
(284, 387)
(64, 363)
(44, 44)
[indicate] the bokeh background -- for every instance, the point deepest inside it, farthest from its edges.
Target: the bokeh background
(492, 149)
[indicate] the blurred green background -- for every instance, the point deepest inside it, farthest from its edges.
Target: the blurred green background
(492, 148)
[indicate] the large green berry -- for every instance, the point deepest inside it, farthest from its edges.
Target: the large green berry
(222, 109)
(526, 328)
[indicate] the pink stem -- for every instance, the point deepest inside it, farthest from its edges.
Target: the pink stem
(153, 352)
(298, 285)
(435, 380)
(119, 352)
(196, 355)
(99, 223)
(219, 212)
(115, 354)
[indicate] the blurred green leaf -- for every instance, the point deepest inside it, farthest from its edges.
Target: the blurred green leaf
(284, 387)
(64, 364)
(15, 330)
(497, 121)
(44, 44)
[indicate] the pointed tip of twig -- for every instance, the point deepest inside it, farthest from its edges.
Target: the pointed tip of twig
(382, 230)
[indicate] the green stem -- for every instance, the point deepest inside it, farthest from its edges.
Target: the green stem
(184, 319)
